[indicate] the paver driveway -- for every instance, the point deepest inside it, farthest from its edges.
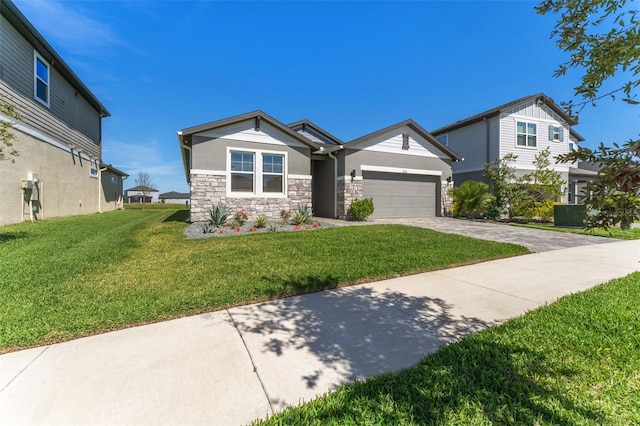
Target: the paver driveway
(536, 240)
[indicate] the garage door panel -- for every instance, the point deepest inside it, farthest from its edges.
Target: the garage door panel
(400, 195)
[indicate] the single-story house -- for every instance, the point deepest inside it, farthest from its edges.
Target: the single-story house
(256, 163)
(140, 194)
(173, 197)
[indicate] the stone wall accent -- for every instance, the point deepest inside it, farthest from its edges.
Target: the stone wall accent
(348, 191)
(445, 205)
(209, 190)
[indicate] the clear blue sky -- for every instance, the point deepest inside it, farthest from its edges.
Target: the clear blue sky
(350, 67)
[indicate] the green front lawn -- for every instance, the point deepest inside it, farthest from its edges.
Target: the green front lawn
(70, 277)
(575, 362)
(628, 234)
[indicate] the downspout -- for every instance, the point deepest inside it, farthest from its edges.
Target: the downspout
(100, 187)
(122, 179)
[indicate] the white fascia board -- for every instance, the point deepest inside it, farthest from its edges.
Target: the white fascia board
(385, 169)
(308, 177)
(208, 172)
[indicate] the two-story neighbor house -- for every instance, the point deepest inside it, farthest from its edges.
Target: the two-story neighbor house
(59, 171)
(256, 163)
(523, 127)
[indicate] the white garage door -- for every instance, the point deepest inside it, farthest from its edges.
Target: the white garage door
(400, 195)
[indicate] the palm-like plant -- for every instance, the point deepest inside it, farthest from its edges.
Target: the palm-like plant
(471, 199)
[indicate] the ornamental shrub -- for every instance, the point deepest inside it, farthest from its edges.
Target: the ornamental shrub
(218, 215)
(470, 199)
(361, 209)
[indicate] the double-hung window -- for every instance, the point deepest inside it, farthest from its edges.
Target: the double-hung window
(526, 134)
(272, 173)
(257, 173)
(41, 76)
(242, 171)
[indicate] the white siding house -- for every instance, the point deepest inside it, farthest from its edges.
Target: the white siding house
(523, 127)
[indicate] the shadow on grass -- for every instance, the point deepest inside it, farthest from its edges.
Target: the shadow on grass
(179, 216)
(357, 332)
(10, 236)
(352, 333)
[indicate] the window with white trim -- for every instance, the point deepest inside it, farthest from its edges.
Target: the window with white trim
(526, 134)
(40, 79)
(242, 171)
(571, 147)
(257, 173)
(272, 173)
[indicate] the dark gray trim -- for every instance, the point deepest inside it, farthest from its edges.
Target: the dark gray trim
(493, 112)
(113, 170)
(304, 123)
(258, 116)
(412, 125)
(28, 31)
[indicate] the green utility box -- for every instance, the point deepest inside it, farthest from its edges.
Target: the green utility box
(569, 214)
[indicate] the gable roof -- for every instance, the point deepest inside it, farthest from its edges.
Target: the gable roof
(415, 127)
(304, 124)
(184, 135)
(493, 112)
(28, 31)
(142, 189)
(260, 115)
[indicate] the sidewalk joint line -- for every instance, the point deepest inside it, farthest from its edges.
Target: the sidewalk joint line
(25, 367)
(253, 364)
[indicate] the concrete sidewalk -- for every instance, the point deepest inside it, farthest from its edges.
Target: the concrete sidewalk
(233, 366)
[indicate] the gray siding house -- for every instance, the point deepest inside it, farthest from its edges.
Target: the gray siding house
(256, 163)
(59, 171)
(523, 127)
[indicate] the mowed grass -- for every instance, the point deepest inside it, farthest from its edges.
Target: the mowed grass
(70, 277)
(575, 362)
(621, 234)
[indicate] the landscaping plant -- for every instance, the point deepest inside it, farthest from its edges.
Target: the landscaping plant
(218, 215)
(285, 215)
(470, 199)
(260, 221)
(361, 209)
(240, 217)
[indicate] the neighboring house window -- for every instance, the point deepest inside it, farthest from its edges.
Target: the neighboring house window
(242, 172)
(272, 173)
(113, 179)
(526, 134)
(40, 79)
(571, 147)
(556, 133)
(444, 140)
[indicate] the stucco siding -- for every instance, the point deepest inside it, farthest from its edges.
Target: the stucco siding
(111, 191)
(69, 118)
(64, 188)
(354, 159)
(209, 149)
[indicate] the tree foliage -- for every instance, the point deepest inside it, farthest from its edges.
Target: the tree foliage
(470, 199)
(144, 181)
(7, 138)
(613, 198)
(602, 37)
(502, 184)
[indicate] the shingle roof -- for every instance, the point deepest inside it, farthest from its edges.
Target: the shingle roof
(173, 195)
(304, 123)
(497, 110)
(142, 189)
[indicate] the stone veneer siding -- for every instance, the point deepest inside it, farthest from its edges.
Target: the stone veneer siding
(446, 198)
(209, 190)
(348, 190)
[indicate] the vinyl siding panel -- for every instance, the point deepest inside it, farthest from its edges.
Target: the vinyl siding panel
(391, 143)
(70, 119)
(526, 155)
(470, 142)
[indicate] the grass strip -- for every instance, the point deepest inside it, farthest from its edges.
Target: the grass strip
(621, 234)
(575, 362)
(72, 277)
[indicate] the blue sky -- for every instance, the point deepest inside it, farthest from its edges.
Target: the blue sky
(350, 67)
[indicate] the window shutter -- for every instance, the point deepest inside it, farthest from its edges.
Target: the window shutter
(562, 133)
(550, 132)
